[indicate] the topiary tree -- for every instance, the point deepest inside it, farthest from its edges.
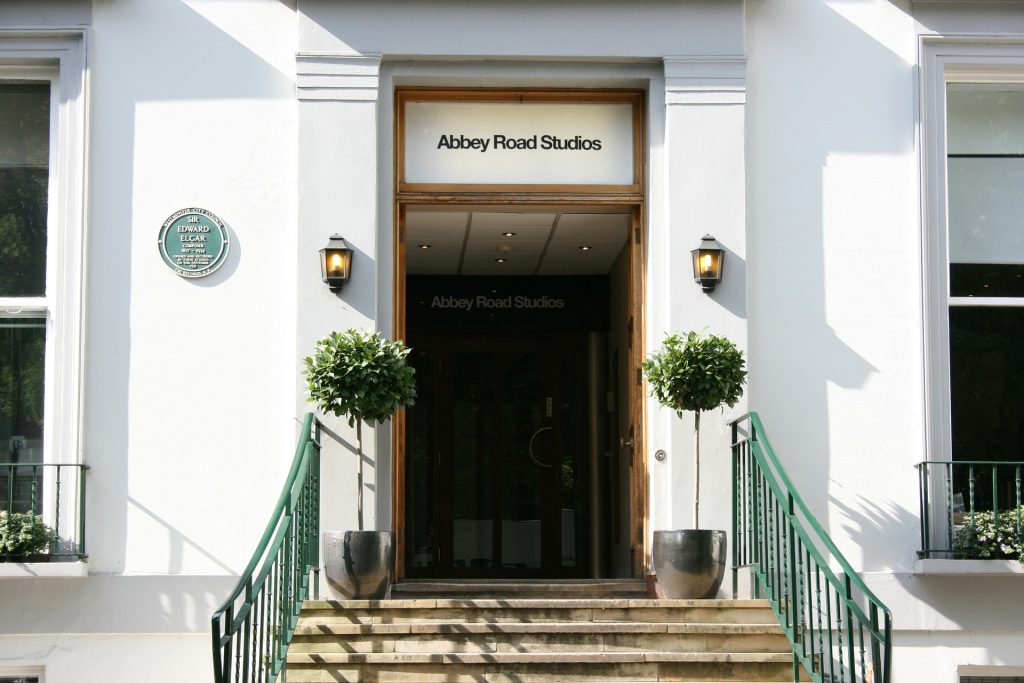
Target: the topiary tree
(696, 372)
(361, 376)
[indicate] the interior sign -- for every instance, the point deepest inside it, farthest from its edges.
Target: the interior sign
(520, 302)
(524, 143)
(193, 242)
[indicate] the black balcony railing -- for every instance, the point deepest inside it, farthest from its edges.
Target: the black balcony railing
(971, 510)
(42, 512)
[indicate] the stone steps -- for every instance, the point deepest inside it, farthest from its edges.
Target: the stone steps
(516, 610)
(541, 637)
(539, 633)
(565, 588)
(542, 668)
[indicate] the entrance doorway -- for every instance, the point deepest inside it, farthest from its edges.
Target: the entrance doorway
(517, 455)
(519, 280)
(502, 429)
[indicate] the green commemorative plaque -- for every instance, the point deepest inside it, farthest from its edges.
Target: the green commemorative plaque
(193, 242)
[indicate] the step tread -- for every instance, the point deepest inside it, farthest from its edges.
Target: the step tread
(400, 658)
(427, 587)
(525, 603)
(519, 582)
(460, 627)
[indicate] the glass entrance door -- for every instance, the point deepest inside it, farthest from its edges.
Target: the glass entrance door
(497, 449)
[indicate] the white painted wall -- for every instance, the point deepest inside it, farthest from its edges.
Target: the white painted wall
(602, 29)
(835, 301)
(189, 388)
(189, 384)
(834, 271)
(802, 160)
(71, 658)
(703, 193)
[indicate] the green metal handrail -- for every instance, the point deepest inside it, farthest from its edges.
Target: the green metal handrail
(253, 628)
(838, 629)
(47, 489)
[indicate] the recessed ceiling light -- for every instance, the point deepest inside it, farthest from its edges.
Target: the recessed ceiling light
(499, 260)
(508, 234)
(424, 246)
(585, 247)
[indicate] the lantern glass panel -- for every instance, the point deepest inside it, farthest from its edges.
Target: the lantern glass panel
(707, 264)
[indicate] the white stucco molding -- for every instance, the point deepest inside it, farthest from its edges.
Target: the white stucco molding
(942, 567)
(705, 80)
(337, 77)
(45, 570)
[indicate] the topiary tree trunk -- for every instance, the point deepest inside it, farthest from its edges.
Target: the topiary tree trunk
(696, 469)
(359, 473)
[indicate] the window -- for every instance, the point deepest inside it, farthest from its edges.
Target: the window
(41, 237)
(24, 191)
(985, 223)
(973, 155)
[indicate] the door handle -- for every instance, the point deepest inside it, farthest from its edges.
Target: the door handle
(626, 443)
(530, 448)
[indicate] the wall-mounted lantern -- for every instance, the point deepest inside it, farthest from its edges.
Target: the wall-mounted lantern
(336, 262)
(707, 263)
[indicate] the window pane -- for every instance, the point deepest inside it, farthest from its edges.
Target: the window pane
(986, 279)
(24, 172)
(22, 343)
(986, 373)
(985, 172)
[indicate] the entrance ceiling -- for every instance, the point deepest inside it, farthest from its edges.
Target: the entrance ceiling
(502, 243)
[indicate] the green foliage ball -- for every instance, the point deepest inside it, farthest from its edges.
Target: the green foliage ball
(24, 533)
(360, 375)
(990, 536)
(696, 372)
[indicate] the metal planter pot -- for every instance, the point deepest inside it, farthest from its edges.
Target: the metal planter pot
(690, 564)
(357, 564)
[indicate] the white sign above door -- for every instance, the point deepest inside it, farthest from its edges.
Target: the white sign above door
(518, 143)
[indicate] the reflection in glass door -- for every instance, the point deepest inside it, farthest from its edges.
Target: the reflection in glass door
(496, 446)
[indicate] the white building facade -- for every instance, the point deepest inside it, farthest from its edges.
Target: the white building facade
(860, 161)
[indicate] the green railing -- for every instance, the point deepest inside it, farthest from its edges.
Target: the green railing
(982, 510)
(253, 628)
(51, 491)
(840, 632)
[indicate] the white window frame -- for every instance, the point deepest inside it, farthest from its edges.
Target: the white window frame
(948, 59)
(58, 56)
(23, 672)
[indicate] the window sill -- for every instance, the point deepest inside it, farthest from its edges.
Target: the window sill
(53, 570)
(968, 567)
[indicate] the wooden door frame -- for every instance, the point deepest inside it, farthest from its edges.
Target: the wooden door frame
(631, 197)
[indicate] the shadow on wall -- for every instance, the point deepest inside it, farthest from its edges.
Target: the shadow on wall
(732, 290)
(814, 215)
(349, 446)
(870, 523)
(360, 292)
(114, 605)
(177, 43)
(338, 465)
(177, 542)
(570, 28)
